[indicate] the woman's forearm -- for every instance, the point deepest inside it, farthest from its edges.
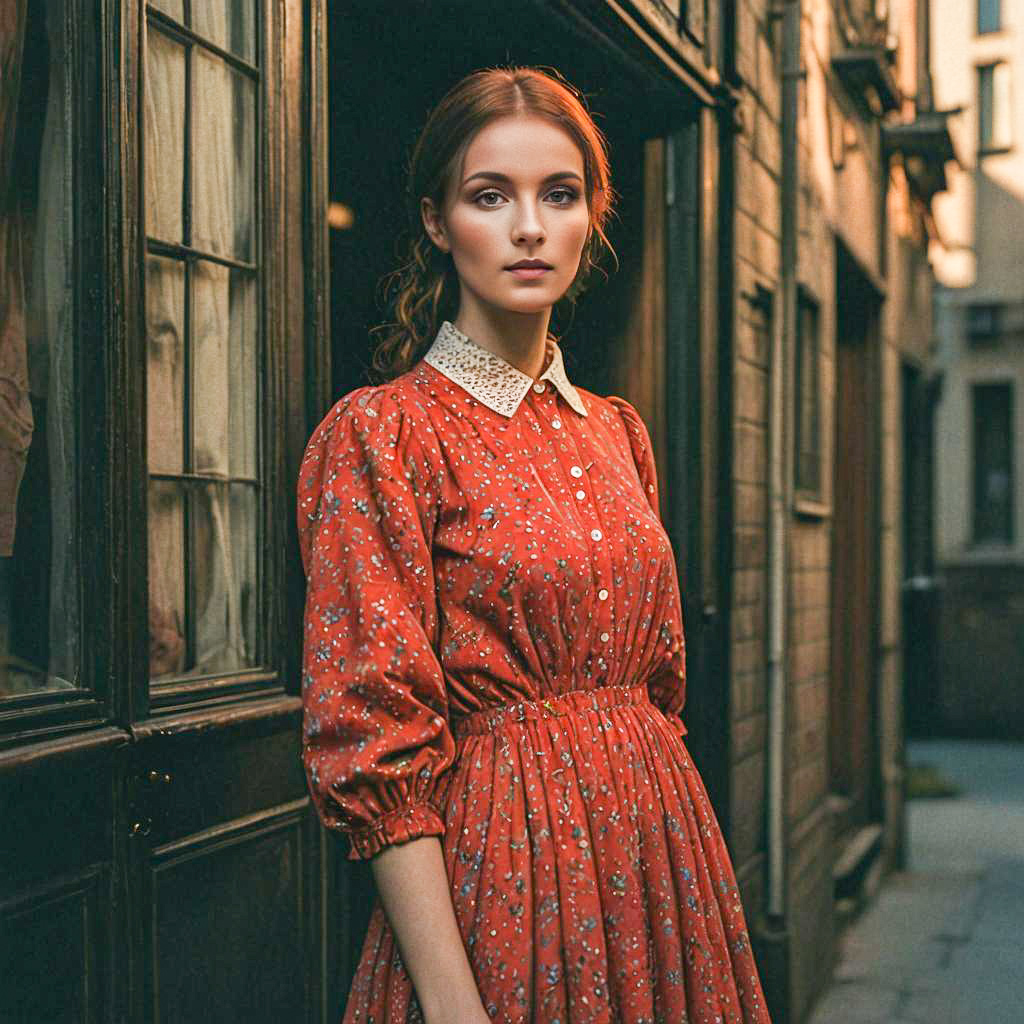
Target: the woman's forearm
(414, 890)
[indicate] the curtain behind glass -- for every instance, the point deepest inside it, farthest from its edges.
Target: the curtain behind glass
(203, 553)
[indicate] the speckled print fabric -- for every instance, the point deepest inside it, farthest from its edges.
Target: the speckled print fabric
(494, 655)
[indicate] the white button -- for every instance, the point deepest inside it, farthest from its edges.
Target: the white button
(596, 534)
(581, 495)
(539, 387)
(604, 638)
(556, 423)
(576, 471)
(602, 594)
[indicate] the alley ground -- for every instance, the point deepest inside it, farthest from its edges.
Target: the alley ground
(944, 941)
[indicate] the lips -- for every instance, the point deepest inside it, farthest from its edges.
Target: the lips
(530, 265)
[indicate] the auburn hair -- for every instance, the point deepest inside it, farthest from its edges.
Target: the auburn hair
(423, 291)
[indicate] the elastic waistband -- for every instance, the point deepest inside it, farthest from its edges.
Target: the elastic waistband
(569, 703)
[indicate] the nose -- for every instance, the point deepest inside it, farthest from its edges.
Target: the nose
(528, 229)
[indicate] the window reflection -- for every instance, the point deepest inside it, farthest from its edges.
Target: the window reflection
(39, 612)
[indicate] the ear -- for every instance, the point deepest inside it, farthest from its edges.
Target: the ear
(433, 224)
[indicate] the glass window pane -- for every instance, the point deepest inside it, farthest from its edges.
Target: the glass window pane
(231, 24)
(39, 607)
(993, 463)
(165, 364)
(988, 15)
(225, 576)
(223, 158)
(165, 137)
(807, 438)
(167, 642)
(244, 367)
(985, 106)
(224, 379)
(210, 347)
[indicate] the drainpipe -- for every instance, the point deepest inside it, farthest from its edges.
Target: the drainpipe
(780, 473)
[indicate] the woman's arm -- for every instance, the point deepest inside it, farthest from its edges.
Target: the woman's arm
(414, 890)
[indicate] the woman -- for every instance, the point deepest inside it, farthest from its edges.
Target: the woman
(494, 657)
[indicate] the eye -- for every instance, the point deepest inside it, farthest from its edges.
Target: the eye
(489, 192)
(571, 194)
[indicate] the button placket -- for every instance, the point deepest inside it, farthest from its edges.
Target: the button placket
(602, 565)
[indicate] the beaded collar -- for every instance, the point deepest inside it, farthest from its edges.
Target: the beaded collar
(490, 379)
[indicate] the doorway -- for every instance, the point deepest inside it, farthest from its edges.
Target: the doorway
(852, 696)
(385, 73)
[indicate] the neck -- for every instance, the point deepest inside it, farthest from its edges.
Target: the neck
(519, 338)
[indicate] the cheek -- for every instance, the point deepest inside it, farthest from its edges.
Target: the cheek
(473, 239)
(576, 230)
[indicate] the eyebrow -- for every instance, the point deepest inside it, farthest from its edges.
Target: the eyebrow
(497, 176)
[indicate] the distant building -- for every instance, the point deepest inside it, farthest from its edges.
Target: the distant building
(979, 263)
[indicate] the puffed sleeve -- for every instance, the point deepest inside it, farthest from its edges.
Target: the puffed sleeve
(376, 740)
(667, 684)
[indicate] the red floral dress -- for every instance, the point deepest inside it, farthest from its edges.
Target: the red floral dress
(494, 655)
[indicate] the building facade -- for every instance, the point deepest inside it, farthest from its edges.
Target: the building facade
(980, 418)
(836, 166)
(179, 314)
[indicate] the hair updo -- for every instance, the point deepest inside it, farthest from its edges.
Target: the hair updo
(424, 290)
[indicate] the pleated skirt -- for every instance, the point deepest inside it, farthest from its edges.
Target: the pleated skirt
(590, 878)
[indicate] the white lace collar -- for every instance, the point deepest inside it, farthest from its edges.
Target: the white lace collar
(490, 379)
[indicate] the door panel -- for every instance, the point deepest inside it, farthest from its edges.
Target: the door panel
(228, 919)
(49, 952)
(58, 810)
(223, 852)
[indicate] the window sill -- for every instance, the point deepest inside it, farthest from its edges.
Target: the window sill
(985, 554)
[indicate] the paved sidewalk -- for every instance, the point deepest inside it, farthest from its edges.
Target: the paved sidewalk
(944, 941)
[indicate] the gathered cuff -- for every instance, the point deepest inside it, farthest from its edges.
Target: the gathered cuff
(397, 826)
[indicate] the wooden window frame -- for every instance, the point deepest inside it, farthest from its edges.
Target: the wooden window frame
(188, 688)
(271, 678)
(107, 63)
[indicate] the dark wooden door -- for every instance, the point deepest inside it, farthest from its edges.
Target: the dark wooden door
(854, 552)
(159, 857)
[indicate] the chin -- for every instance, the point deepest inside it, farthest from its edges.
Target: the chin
(534, 298)
(535, 305)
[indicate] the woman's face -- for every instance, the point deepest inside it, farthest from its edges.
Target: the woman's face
(520, 196)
